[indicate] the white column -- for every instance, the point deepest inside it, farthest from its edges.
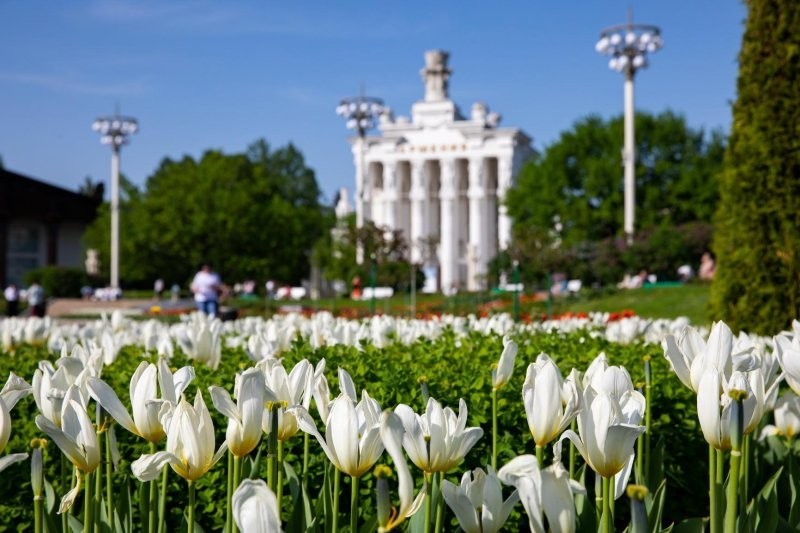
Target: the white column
(629, 159)
(503, 184)
(390, 195)
(448, 224)
(418, 197)
(477, 223)
(362, 193)
(115, 218)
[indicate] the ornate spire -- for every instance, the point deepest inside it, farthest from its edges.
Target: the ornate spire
(436, 75)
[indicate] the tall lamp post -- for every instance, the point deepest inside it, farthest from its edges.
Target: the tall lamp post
(115, 130)
(628, 45)
(360, 113)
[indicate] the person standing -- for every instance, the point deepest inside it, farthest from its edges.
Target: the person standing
(36, 299)
(11, 295)
(205, 286)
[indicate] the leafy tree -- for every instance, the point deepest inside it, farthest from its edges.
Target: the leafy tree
(246, 215)
(757, 244)
(567, 204)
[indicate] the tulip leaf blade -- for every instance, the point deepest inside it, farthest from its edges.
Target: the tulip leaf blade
(654, 503)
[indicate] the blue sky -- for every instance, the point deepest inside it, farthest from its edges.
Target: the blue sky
(206, 74)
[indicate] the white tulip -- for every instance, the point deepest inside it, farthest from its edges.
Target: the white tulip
(147, 414)
(547, 492)
(190, 444)
(14, 389)
(478, 502)
(437, 440)
(714, 404)
(392, 431)
(551, 403)
(606, 434)
(201, 340)
(505, 366)
(245, 416)
(255, 508)
(288, 389)
(76, 437)
(787, 417)
(352, 433)
(787, 350)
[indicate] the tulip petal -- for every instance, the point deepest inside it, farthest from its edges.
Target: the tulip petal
(557, 500)
(341, 432)
(148, 467)
(255, 508)
(69, 499)
(65, 443)
(14, 389)
(346, 385)
(106, 397)
(621, 479)
(458, 502)
(222, 402)
(10, 459)
(307, 425)
(708, 407)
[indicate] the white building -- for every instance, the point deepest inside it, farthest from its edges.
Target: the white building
(441, 178)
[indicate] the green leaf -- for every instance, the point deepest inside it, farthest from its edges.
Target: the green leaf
(690, 525)
(654, 503)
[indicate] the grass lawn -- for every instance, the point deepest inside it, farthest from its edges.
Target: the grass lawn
(656, 302)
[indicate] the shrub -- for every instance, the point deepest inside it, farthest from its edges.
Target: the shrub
(58, 281)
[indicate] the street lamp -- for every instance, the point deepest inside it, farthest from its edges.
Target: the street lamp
(628, 45)
(516, 290)
(360, 113)
(373, 272)
(115, 130)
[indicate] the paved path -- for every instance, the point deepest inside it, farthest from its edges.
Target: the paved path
(60, 307)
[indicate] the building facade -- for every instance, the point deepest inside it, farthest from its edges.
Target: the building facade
(441, 178)
(40, 225)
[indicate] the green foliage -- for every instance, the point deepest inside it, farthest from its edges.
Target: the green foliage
(58, 281)
(567, 204)
(453, 367)
(757, 283)
(254, 215)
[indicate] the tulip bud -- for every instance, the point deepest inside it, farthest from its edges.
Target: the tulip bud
(36, 472)
(423, 385)
(737, 418)
(382, 474)
(637, 494)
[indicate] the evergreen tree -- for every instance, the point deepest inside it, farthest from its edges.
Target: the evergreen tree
(757, 243)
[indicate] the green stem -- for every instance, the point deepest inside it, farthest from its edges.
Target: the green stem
(337, 476)
(712, 488)
(354, 503)
(720, 471)
(572, 458)
(279, 466)
(64, 490)
(190, 520)
(229, 493)
(640, 460)
(540, 455)
(745, 485)
(494, 429)
(606, 516)
(237, 474)
(428, 501)
(306, 441)
(162, 502)
(598, 498)
(648, 413)
(37, 514)
(439, 504)
(152, 519)
(98, 485)
(87, 505)
(109, 479)
(731, 510)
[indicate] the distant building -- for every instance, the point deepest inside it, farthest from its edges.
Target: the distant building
(40, 224)
(441, 178)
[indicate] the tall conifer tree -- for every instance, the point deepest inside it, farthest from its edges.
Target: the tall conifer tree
(757, 241)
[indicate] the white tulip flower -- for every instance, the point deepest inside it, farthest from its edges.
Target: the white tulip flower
(201, 340)
(714, 404)
(787, 417)
(352, 433)
(76, 437)
(255, 508)
(478, 501)
(289, 389)
(505, 366)
(787, 350)
(551, 403)
(437, 440)
(147, 406)
(246, 415)
(606, 433)
(190, 444)
(392, 431)
(547, 492)
(14, 389)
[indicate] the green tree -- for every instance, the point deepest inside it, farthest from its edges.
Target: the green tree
(245, 215)
(566, 205)
(757, 244)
